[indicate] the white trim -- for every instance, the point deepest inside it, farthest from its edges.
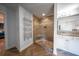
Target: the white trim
(55, 29)
(21, 49)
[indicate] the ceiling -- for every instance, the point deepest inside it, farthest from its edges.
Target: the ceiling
(38, 8)
(66, 9)
(61, 6)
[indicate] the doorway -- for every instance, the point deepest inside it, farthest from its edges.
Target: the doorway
(43, 32)
(2, 32)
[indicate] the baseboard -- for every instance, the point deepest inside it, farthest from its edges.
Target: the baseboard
(55, 52)
(67, 52)
(25, 47)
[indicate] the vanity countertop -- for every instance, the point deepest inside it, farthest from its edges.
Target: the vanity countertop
(69, 33)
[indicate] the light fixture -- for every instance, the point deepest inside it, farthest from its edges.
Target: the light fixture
(70, 10)
(43, 14)
(2, 16)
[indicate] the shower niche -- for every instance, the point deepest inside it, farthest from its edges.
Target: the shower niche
(27, 23)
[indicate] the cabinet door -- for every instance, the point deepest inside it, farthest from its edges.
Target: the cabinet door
(60, 42)
(66, 44)
(73, 46)
(67, 40)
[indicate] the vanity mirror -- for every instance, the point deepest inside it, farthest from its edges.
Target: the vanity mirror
(68, 25)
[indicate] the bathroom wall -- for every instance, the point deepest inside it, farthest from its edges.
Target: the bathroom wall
(48, 24)
(39, 30)
(11, 27)
(36, 27)
(25, 28)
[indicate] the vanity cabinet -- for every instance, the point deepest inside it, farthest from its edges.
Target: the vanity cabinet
(60, 42)
(63, 42)
(73, 46)
(68, 43)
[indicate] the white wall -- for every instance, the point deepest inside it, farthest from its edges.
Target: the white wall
(24, 42)
(10, 27)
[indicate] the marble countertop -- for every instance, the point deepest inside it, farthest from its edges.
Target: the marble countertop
(69, 33)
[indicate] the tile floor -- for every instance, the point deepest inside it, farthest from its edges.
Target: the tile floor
(2, 46)
(34, 50)
(39, 48)
(64, 53)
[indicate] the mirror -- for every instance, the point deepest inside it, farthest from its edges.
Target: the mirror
(68, 24)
